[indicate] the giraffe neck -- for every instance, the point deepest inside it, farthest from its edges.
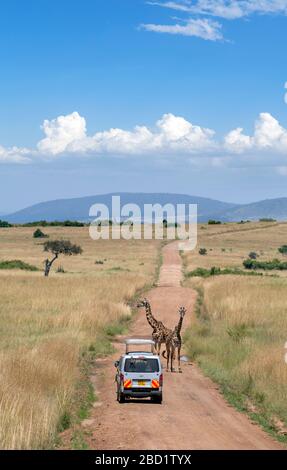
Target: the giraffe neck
(150, 318)
(179, 325)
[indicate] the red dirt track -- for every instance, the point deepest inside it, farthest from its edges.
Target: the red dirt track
(194, 415)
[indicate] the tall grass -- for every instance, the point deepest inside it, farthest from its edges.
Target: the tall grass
(239, 339)
(48, 325)
(240, 327)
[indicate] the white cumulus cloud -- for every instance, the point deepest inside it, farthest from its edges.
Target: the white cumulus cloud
(171, 137)
(236, 141)
(14, 155)
(61, 132)
(268, 135)
(67, 134)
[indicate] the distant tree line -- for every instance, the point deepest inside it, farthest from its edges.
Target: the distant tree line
(267, 219)
(4, 224)
(45, 223)
(55, 223)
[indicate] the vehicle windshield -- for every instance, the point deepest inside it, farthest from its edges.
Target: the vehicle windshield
(141, 365)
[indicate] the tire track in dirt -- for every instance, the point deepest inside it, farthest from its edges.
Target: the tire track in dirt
(194, 415)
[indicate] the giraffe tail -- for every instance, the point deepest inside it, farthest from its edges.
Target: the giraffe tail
(165, 356)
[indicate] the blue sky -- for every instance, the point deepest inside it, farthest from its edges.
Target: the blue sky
(187, 73)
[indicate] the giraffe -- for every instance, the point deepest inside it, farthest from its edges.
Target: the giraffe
(160, 332)
(173, 342)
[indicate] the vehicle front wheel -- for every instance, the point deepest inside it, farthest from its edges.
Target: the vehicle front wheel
(120, 396)
(157, 399)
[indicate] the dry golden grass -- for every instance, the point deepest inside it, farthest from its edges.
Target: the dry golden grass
(228, 245)
(241, 330)
(45, 324)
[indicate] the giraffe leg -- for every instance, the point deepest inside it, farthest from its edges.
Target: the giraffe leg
(168, 358)
(156, 346)
(178, 358)
(172, 358)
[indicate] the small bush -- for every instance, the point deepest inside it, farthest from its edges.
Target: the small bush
(17, 264)
(214, 271)
(253, 255)
(202, 251)
(39, 234)
(64, 422)
(4, 224)
(99, 261)
(283, 249)
(275, 264)
(267, 219)
(60, 270)
(214, 222)
(199, 272)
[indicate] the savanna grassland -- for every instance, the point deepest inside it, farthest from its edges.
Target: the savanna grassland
(51, 328)
(240, 327)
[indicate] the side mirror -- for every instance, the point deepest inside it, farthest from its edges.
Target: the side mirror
(117, 364)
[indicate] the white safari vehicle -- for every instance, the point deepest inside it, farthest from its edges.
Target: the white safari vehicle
(139, 372)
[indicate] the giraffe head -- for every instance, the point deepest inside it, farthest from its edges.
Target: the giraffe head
(143, 303)
(182, 312)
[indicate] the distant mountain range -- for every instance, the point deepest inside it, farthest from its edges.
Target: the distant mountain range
(78, 208)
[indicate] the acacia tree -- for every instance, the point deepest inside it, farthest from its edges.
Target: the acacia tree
(59, 247)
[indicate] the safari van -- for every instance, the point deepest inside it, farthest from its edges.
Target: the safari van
(139, 372)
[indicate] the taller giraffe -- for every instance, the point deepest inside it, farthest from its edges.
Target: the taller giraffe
(160, 332)
(149, 316)
(174, 342)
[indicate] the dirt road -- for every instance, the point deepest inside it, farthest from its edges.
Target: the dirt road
(194, 414)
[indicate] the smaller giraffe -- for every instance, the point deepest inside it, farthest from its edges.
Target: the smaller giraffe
(174, 342)
(160, 332)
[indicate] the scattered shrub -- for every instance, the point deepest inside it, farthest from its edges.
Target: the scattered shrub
(65, 421)
(4, 224)
(283, 249)
(275, 264)
(267, 219)
(214, 222)
(253, 255)
(199, 272)
(202, 251)
(215, 271)
(60, 270)
(17, 264)
(39, 234)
